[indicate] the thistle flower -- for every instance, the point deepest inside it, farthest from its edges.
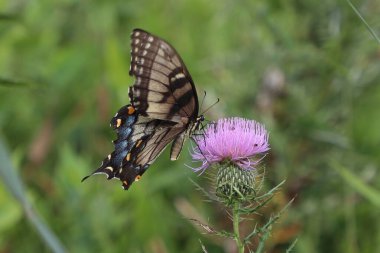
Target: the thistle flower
(233, 146)
(236, 140)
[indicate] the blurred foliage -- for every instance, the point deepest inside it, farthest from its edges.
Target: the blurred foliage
(308, 69)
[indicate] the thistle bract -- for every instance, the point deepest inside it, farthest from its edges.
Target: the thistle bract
(235, 184)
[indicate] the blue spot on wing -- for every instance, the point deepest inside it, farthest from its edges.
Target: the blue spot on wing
(130, 120)
(124, 132)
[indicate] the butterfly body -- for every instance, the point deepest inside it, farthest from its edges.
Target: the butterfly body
(164, 108)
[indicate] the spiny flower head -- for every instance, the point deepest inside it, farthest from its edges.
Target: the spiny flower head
(234, 140)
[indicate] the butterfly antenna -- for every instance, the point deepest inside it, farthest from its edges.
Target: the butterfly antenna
(203, 99)
(217, 101)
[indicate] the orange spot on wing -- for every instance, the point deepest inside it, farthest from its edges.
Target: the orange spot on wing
(128, 157)
(131, 110)
(138, 143)
(137, 178)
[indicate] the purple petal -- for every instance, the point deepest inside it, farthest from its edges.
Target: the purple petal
(235, 139)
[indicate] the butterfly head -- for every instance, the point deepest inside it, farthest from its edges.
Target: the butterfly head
(198, 123)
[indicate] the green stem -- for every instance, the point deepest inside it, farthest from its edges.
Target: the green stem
(236, 222)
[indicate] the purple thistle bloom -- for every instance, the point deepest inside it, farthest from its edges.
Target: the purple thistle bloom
(236, 140)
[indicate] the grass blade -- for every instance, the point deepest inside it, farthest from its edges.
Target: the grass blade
(366, 191)
(14, 185)
(363, 20)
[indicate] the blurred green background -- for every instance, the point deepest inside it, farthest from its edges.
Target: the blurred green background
(309, 70)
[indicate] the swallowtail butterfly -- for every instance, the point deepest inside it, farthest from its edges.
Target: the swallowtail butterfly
(164, 108)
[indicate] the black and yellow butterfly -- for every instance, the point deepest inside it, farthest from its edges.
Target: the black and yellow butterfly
(164, 108)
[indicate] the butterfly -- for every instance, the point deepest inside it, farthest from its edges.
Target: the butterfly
(163, 108)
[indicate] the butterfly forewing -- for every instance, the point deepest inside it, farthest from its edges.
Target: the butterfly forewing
(163, 88)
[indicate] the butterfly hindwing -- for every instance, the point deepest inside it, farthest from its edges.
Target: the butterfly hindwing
(145, 152)
(130, 128)
(177, 146)
(130, 171)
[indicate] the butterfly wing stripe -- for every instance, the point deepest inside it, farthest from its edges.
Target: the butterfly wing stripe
(142, 70)
(151, 58)
(141, 89)
(154, 54)
(151, 95)
(146, 80)
(178, 83)
(160, 111)
(158, 63)
(162, 66)
(155, 75)
(155, 66)
(182, 104)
